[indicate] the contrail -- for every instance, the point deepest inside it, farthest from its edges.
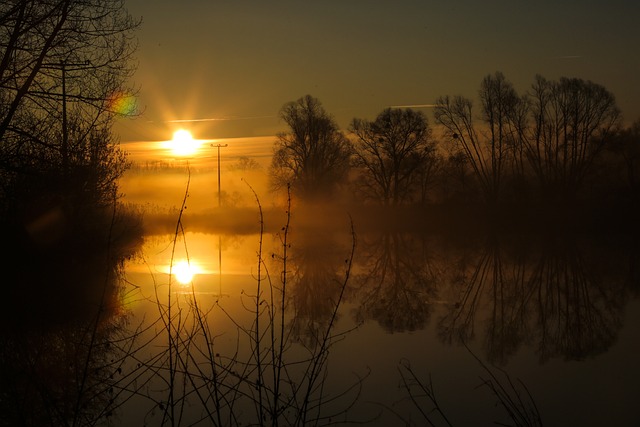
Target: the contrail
(217, 119)
(414, 106)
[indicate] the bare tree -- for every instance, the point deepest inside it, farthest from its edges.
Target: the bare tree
(64, 65)
(573, 119)
(626, 148)
(396, 154)
(313, 156)
(491, 142)
(60, 61)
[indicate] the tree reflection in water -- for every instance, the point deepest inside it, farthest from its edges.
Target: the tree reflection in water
(399, 283)
(69, 357)
(484, 281)
(63, 331)
(558, 293)
(554, 295)
(579, 305)
(561, 295)
(317, 266)
(64, 375)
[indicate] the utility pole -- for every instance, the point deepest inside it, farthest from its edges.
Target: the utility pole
(65, 132)
(62, 66)
(219, 146)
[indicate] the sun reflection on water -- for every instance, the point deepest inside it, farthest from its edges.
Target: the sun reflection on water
(184, 272)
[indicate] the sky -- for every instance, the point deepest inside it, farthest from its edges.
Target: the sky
(224, 68)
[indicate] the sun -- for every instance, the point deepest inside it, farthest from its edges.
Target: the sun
(183, 143)
(183, 272)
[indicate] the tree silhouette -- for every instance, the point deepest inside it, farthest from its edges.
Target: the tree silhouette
(572, 119)
(399, 282)
(579, 307)
(66, 335)
(550, 294)
(489, 287)
(491, 142)
(316, 266)
(626, 149)
(313, 156)
(63, 68)
(396, 154)
(87, 44)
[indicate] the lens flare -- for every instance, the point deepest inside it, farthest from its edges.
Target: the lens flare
(122, 103)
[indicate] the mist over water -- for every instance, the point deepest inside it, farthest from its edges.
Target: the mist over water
(550, 308)
(453, 297)
(432, 296)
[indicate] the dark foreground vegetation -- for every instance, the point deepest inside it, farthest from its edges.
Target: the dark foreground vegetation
(63, 68)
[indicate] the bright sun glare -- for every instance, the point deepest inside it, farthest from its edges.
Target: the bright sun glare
(183, 272)
(183, 143)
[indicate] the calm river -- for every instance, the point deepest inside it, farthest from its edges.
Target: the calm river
(431, 325)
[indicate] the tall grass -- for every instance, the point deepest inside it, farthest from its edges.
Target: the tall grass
(179, 369)
(185, 377)
(511, 395)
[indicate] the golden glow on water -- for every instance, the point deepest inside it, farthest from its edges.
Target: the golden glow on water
(200, 265)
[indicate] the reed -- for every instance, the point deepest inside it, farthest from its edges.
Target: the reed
(266, 379)
(511, 395)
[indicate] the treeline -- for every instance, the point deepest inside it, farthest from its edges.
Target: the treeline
(561, 145)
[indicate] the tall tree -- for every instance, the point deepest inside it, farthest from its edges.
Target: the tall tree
(83, 45)
(313, 156)
(491, 141)
(396, 154)
(63, 70)
(572, 121)
(626, 146)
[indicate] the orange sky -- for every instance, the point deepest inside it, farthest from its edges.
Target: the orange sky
(232, 64)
